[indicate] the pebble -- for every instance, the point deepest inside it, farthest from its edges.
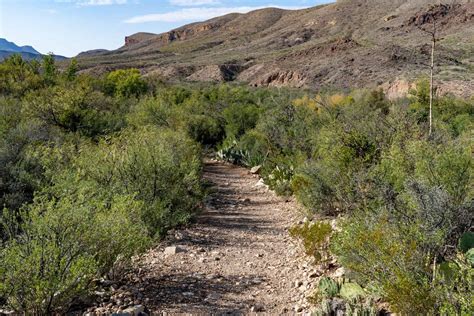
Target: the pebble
(258, 308)
(298, 309)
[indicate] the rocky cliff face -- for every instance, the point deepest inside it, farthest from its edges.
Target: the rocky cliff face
(340, 45)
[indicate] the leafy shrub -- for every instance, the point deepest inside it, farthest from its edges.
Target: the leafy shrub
(239, 119)
(316, 188)
(315, 237)
(74, 109)
(125, 83)
(18, 76)
(205, 130)
(63, 246)
(160, 167)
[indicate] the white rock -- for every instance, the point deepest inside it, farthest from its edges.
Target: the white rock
(261, 183)
(340, 272)
(255, 170)
(173, 250)
(134, 311)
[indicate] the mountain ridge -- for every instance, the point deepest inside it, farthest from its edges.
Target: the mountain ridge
(343, 44)
(27, 52)
(8, 46)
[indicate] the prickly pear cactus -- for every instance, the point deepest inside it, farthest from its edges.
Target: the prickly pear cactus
(351, 291)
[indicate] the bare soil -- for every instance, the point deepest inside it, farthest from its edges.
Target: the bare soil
(238, 257)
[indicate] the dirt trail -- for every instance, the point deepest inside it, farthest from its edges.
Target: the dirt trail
(237, 259)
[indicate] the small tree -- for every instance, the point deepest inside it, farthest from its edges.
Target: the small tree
(49, 68)
(71, 71)
(125, 83)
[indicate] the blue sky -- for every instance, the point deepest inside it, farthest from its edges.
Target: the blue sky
(67, 27)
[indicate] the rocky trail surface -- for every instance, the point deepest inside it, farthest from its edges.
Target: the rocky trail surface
(238, 258)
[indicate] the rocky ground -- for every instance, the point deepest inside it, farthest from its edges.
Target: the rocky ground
(237, 259)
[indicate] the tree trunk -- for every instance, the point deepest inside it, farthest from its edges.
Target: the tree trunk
(433, 47)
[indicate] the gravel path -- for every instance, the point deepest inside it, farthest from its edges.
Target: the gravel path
(237, 259)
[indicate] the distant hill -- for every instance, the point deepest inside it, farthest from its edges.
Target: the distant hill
(92, 52)
(12, 47)
(27, 52)
(349, 43)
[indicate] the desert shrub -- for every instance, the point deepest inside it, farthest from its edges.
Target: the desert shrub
(64, 244)
(205, 129)
(160, 167)
(239, 119)
(256, 148)
(315, 238)
(154, 111)
(402, 274)
(316, 188)
(419, 101)
(71, 71)
(50, 71)
(76, 108)
(395, 248)
(125, 83)
(18, 76)
(454, 285)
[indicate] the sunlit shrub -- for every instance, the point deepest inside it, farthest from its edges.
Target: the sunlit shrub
(125, 83)
(64, 244)
(315, 238)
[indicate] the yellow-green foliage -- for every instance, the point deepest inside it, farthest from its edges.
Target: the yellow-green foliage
(125, 83)
(315, 238)
(102, 147)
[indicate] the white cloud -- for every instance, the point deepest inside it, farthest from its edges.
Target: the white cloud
(84, 3)
(197, 14)
(190, 3)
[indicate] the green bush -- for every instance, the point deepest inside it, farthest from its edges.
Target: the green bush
(315, 238)
(239, 119)
(64, 244)
(160, 167)
(18, 76)
(75, 109)
(205, 129)
(125, 83)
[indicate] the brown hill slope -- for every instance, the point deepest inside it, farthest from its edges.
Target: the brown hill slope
(347, 43)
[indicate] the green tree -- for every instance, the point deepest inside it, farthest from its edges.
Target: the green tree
(71, 71)
(49, 68)
(125, 83)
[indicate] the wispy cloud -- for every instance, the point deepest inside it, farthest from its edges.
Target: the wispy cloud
(190, 3)
(198, 14)
(84, 3)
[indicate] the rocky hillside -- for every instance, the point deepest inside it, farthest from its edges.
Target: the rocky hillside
(347, 43)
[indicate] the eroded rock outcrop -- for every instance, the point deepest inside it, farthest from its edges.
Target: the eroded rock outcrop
(217, 73)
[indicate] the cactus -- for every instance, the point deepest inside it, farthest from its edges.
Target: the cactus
(328, 287)
(351, 291)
